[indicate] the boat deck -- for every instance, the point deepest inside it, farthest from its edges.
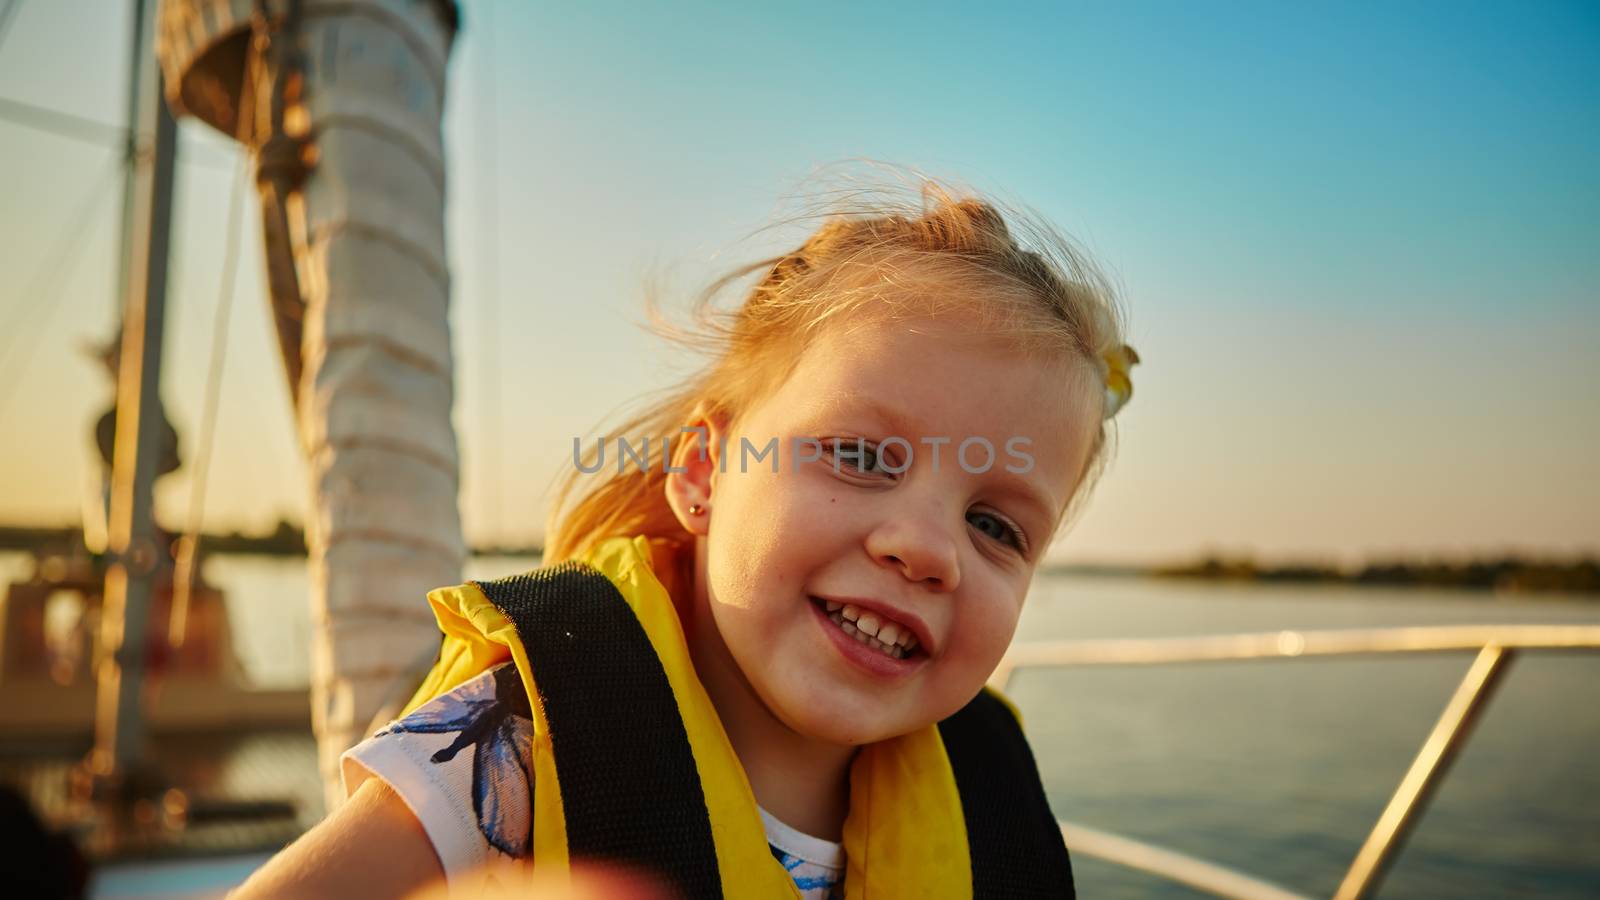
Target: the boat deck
(241, 793)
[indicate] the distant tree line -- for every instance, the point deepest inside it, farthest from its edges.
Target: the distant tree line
(1507, 574)
(284, 540)
(287, 539)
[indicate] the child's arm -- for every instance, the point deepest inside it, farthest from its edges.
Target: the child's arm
(372, 846)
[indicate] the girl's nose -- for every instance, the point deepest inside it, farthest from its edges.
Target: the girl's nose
(919, 549)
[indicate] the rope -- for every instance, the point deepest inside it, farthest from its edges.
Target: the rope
(44, 288)
(189, 544)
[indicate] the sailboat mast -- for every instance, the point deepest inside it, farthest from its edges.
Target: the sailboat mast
(140, 40)
(351, 172)
(134, 550)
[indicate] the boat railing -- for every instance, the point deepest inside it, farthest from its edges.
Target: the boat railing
(1494, 647)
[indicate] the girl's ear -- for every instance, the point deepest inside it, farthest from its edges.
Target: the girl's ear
(691, 468)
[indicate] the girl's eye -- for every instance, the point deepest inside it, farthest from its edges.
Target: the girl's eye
(869, 459)
(860, 457)
(999, 528)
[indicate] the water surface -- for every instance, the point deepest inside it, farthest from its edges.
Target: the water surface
(1276, 768)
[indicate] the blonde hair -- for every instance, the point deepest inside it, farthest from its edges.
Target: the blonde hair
(1040, 292)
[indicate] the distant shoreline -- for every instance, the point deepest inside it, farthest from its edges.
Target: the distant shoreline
(287, 540)
(1506, 574)
(1503, 575)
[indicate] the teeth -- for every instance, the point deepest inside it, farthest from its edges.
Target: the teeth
(891, 639)
(833, 606)
(875, 625)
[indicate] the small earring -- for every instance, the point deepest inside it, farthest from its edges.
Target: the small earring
(696, 509)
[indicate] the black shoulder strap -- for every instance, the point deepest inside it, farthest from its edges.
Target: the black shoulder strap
(629, 787)
(1016, 846)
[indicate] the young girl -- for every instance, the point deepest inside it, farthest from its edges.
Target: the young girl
(759, 667)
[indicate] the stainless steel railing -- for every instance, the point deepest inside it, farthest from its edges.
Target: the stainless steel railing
(1495, 647)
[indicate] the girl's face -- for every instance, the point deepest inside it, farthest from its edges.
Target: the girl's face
(943, 550)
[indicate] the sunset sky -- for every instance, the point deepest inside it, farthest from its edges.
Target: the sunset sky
(1359, 244)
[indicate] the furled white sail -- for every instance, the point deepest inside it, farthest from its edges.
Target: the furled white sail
(375, 375)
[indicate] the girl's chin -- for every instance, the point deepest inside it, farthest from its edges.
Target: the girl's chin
(828, 704)
(840, 719)
(838, 734)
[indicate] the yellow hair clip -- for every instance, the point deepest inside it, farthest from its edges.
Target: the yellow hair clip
(1119, 385)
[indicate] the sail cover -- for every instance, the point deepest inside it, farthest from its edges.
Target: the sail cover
(362, 242)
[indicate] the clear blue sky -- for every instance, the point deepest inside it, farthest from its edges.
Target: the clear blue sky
(1358, 244)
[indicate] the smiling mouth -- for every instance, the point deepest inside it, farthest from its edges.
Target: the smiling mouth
(889, 638)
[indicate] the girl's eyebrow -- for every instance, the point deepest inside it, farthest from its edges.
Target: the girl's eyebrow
(899, 425)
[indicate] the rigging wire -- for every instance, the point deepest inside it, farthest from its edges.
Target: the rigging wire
(62, 124)
(8, 16)
(189, 544)
(100, 134)
(489, 260)
(42, 289)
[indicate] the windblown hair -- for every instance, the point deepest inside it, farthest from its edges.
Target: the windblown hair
(878, 252)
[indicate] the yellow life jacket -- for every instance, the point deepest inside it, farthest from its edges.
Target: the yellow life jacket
(630, 762)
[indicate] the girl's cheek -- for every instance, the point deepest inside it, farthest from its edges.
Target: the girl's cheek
(998, 626)
(979, 636)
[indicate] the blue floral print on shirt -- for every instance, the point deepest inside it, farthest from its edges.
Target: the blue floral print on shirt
(491, 714)
(832, 885)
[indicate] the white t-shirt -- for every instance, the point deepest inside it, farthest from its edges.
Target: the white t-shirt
(460, 762)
